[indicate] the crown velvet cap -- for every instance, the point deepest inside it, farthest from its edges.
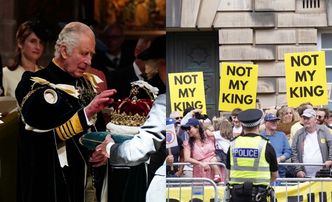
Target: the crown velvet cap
(133, 110)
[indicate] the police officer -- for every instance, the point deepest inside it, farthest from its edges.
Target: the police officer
(251, 161)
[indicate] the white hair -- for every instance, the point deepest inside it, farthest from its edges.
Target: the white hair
(69, 36)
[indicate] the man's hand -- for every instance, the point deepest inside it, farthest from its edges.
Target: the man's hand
(179, 173)
(328, 164)
(300, 174)
(100, 102)
(170, 160)
(281, 158)
(100, 156)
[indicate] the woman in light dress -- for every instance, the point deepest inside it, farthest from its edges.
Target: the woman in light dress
(30, 39)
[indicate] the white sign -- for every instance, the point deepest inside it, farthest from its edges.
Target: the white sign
(171, 140)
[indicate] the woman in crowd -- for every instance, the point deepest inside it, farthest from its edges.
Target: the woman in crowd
(200, 151)
(288, 116)
(223, 134)
(237, 128)
(30, 38)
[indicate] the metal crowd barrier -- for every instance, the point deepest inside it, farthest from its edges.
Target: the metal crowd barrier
(291, 189)
(309, 189)
(193, 188)
(197, 188)
(211, 163)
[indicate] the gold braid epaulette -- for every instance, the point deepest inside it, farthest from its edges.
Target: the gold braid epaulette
(63, 87)
(27, 96)
(93, 79)
(69, 89)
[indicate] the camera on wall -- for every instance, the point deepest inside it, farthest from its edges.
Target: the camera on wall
(198, 115)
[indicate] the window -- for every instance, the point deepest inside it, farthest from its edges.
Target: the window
(311, 3)
(325, 44)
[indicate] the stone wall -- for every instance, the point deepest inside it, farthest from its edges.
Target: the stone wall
(7, 27)
(259, 31)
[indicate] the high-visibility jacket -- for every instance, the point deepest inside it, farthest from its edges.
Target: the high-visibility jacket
(247, 159)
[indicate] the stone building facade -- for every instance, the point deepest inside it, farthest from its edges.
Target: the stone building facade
(255, 31)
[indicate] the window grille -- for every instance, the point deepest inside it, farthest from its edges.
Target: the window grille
(311, 3)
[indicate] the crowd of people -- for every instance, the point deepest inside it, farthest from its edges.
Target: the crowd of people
(298, 135)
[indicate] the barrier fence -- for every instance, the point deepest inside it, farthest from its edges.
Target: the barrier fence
(291, 190)
(200, 189)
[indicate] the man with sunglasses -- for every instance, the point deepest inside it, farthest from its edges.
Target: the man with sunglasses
(322, 116)
(177, 116)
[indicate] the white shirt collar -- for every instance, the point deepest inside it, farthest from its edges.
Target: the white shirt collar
(138, 72)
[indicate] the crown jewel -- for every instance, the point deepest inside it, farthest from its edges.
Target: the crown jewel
(133, 110)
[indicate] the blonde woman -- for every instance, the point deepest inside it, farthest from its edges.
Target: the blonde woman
(288, 116)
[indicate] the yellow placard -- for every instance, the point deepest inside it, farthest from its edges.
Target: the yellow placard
(238, 86)
(306, 78)
(320, 191)
(187, 90)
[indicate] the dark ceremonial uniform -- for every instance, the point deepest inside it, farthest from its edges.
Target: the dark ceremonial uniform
(250, 161)
(51, 117)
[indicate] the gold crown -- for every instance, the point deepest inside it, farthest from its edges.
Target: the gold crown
(133, 110)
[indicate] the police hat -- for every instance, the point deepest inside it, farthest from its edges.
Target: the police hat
(250, 117)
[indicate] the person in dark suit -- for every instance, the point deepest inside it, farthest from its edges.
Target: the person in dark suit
(122, 78)
(115, 59)
(139, 66)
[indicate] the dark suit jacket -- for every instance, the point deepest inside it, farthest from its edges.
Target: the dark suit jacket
(116, 76)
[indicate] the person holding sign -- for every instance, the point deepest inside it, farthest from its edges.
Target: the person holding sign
(175, 151)
(200, 151)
